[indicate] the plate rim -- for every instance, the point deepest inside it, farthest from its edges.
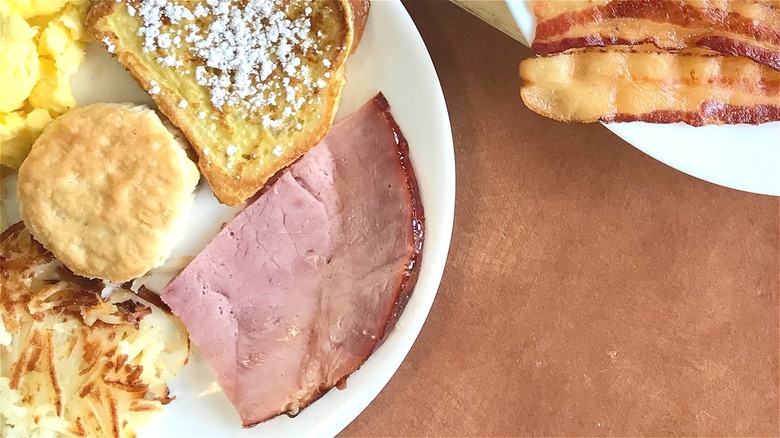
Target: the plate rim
(417, 321)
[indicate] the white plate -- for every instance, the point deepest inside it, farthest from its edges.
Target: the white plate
(741, 157)
(392, 58)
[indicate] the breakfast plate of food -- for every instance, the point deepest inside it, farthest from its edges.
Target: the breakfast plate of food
(695, 85)
(219, 217)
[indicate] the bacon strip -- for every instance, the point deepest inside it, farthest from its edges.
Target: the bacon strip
(611, 86)
(733, 27)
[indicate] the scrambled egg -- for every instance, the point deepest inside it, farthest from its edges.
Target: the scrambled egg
(41, 45)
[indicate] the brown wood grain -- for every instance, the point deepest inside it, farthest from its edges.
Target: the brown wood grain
(590, 289)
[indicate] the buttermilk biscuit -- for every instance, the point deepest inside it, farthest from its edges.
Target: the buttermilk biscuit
(107, 189)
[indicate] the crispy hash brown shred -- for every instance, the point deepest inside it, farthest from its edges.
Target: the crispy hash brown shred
(615, 86)
(731, 27)
(72, 363)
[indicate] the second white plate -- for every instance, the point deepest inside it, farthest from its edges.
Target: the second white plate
(741, 157)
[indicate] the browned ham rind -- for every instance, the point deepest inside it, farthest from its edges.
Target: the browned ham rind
(732, 27)
(610, 86)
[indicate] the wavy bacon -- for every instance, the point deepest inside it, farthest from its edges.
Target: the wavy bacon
(611, 86)
(733, 27)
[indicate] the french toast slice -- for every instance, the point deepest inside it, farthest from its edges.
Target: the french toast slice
(253, 84)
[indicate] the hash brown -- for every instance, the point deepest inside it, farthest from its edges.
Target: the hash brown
(71, 362)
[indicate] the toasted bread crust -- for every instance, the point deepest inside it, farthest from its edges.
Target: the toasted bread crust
(231, 188)
(360, 10)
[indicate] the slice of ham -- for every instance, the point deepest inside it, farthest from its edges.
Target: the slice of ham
(731, 27)
(296, 292)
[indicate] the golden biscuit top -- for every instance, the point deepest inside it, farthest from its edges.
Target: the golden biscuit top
(105, 188)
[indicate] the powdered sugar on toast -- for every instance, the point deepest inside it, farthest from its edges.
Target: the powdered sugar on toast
(243, 47)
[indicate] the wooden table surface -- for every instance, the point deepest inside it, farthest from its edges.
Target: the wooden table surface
(590, 289)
